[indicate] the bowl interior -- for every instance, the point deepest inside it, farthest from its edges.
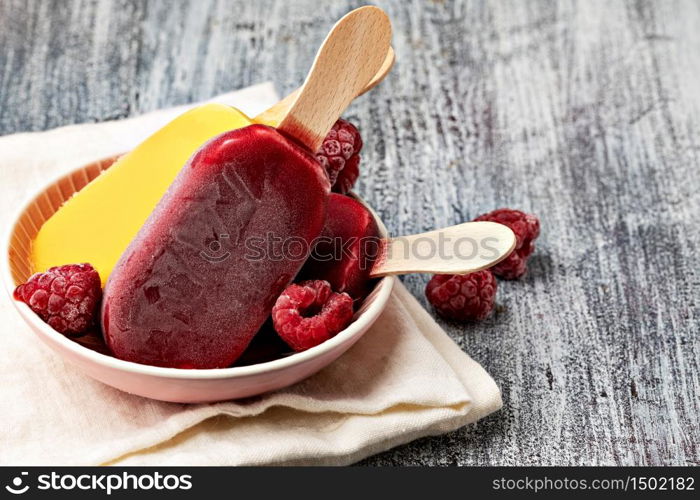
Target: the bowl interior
(18, 269)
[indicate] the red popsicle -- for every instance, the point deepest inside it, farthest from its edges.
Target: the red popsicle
(194, 286)
(350, 254)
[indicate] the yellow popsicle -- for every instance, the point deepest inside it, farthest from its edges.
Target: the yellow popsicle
(98, 223)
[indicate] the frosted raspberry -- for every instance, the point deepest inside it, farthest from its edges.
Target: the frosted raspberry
(526, 228)
(462, 297)
(339, 155)
(348, 176)
(309, 313)
(65, 297)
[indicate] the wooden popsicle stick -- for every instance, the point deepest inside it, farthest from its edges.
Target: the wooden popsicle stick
(350, 56)
(273, 115)
(461, 249)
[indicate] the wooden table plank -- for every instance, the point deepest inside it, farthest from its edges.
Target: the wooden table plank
(585, 113)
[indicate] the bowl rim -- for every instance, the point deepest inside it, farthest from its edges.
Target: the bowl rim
(360, 323)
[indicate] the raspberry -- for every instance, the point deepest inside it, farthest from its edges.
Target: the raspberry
(462, 297)
(65, 297)
(526, 228)
(340, 155)
(348, 176)
(309, 313)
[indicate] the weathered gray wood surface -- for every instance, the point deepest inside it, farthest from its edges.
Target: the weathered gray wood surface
(586, 113)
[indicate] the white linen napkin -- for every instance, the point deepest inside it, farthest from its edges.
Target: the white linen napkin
(403, 380)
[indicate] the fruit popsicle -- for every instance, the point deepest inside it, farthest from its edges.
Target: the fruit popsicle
(346, 249)
(192, 289)
(98, 223)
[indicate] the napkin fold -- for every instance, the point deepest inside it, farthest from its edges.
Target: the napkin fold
(403, 380)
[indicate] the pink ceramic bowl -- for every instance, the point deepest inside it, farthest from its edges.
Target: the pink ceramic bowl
(167, 384)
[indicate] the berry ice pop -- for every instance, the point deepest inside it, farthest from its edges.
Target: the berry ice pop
(188, 292)
(350, 253)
